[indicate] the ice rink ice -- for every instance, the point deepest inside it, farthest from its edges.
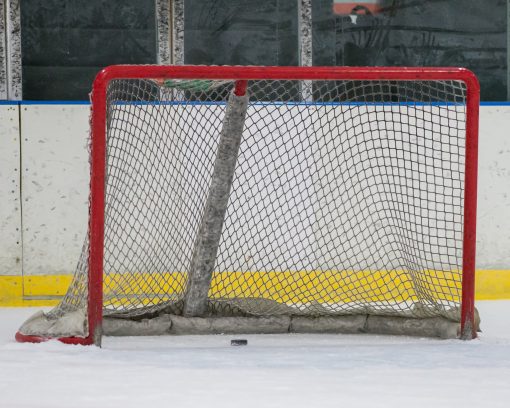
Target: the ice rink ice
(272, 371)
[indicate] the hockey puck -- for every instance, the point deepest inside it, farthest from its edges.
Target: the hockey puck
(239, 342)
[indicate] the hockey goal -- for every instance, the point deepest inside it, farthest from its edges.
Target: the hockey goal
(276, 199)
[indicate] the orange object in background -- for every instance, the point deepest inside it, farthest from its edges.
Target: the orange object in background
(347, 7)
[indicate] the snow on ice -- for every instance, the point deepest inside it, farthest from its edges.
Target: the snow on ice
(272, 371)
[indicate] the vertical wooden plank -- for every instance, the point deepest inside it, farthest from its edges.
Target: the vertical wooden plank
(305, 33)
(305, 44)
(177, 32)
(13, 49)
(163, 28)
(3, 54)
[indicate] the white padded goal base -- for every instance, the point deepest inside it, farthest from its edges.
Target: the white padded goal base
(74, 324)
(177, 325)
(71, 324)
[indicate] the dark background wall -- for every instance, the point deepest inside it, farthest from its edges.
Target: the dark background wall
(241, 32)
(466, 33)
(66, 42)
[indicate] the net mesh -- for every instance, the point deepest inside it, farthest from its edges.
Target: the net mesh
(347, 198)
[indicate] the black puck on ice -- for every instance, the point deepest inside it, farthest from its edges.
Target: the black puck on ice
(239, 342)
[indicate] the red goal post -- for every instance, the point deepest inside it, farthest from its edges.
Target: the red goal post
(250, 73)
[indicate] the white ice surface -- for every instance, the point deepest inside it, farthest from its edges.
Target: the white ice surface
(272, 371)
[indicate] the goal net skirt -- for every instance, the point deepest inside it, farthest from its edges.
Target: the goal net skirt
(276, 199)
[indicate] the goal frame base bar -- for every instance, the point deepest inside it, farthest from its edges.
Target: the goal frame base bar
(24, 338)
(167, 324)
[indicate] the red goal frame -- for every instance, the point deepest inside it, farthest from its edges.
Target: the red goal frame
(241, 74)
